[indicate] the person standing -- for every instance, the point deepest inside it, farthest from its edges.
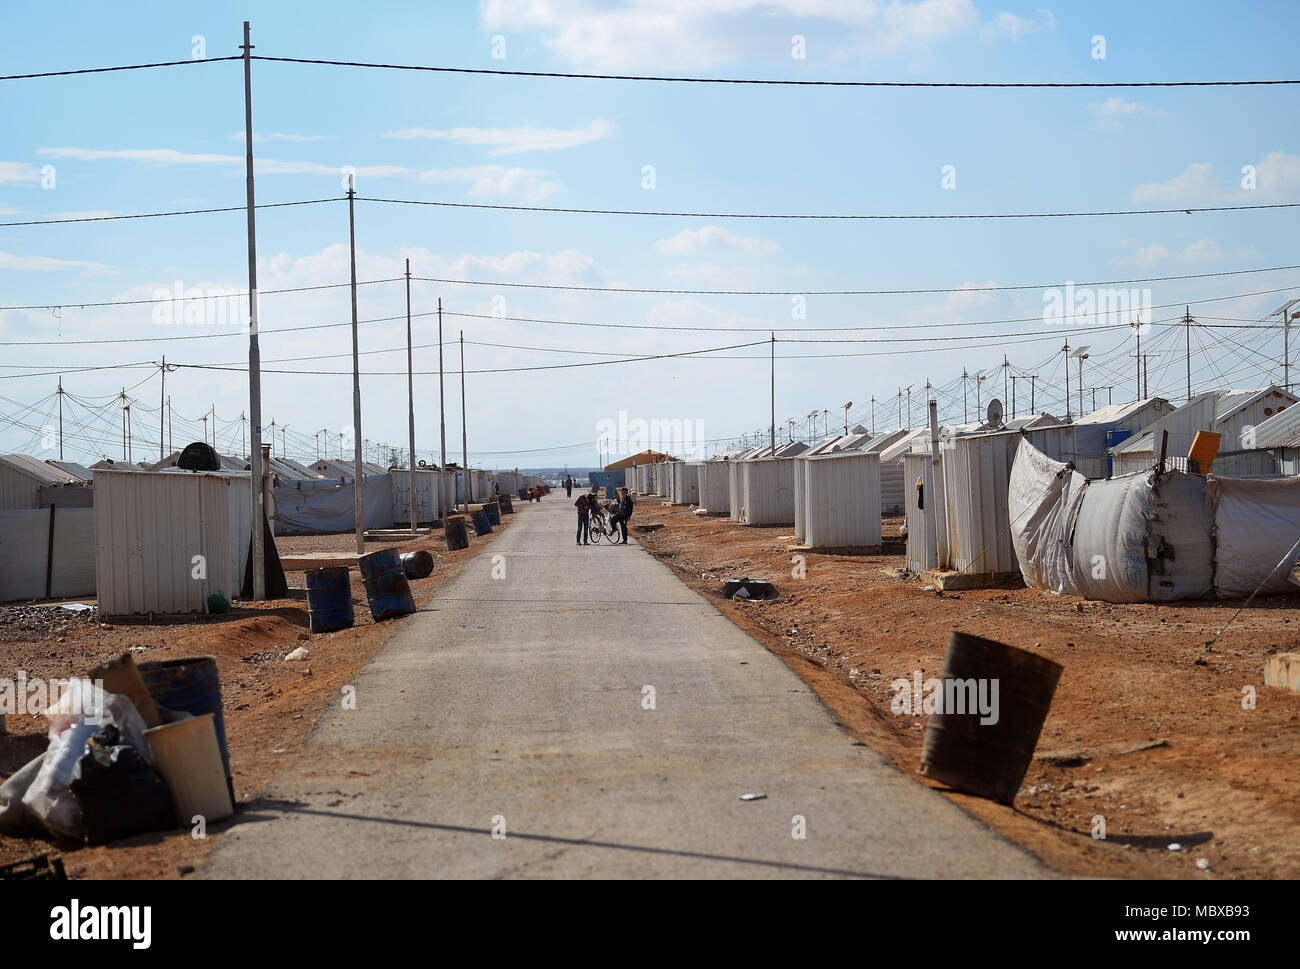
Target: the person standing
(624, 512)
(568, 487)
(584, 524)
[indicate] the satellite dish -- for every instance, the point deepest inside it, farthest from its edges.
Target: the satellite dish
(994, 413)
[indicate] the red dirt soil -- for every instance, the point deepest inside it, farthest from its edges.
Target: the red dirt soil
(270, 704)
(1222, 785)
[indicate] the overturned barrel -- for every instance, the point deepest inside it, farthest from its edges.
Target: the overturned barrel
(457, 532)
(994, 699)
(387, 590)
(493, 511)
(191, 685)
(329, 599)
(417, 565)
(482, 525)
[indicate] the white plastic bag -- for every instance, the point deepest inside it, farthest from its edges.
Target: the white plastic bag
(81, 712)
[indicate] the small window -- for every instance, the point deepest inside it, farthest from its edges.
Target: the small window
(1268, 411)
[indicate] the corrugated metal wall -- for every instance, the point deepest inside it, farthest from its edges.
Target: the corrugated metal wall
(800, 498)
(715, 487)
(148, 529)
(892, 485)
(922, 552)
(736, 490)
(18, 491)
(842, 500)
(768, 491)
(25, 553)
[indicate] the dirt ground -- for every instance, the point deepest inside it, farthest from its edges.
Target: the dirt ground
(270, 703)
(1153, 725)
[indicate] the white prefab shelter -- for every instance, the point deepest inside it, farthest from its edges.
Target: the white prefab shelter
(976, 474)
(426, 495)
(735, 489)
(767, 491)
(841, 497)
(165, 541)
(715, 487)
(891, 472)
(922, 542)
(800, 498)
(686, 482)
(47, 552)
(22, 478)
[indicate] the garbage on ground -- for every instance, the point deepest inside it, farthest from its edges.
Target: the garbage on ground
(218, 604)
(44, 868)
(121, 763)
(748, 588)
(298, 654)
(753, 797)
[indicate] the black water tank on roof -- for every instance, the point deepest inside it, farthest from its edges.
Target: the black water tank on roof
(199, 456)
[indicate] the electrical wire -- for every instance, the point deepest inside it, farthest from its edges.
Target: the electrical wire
(161, 215)
(124, 67)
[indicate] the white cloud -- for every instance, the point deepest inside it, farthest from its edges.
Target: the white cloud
(707, 33)
(1009, 25)
(1200, 251)
(18, 173)
(711, 236)
(483, 180)
(1114, 111)
(511, 141)
(84, 214)
(486, 181)
(49, 264)
(1194, 184)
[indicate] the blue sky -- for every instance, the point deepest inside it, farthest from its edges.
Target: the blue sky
(172, 138)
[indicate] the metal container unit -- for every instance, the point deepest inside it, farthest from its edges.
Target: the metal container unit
(892, 484)
(736, 490)
(426, 495)
(715, 487)
(976, 473)
(922, 546)
(22, 477)
(842, 500)
(149, 528)
(768, 491)
(686, 482)
(800, 499)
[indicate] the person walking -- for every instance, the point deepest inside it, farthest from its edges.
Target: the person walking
(568, 487)
(624, 512)
(584, 524)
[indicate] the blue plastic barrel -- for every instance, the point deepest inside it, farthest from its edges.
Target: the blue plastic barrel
(523, 494)
(191, 685)
(482, 524)
(493, 512)
(329, 599)
(386, 587)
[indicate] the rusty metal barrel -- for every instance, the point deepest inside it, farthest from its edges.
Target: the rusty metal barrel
(417, 564)
(994, 701)
(457, 532)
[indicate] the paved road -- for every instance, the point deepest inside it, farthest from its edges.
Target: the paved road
(519, 701)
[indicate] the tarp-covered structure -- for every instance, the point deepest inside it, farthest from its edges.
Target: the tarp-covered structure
(1149, 536)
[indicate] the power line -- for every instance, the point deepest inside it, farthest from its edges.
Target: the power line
(162, 215)
(775, 81)
(865, 217)
(172, 298)
(124, 67)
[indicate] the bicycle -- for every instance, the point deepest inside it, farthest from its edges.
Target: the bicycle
(600, 528)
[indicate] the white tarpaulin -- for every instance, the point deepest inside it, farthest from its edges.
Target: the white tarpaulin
(322, 505)
(1150, 538)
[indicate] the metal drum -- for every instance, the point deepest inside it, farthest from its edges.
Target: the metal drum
(493, 512)
(988, 753)
(481, 523)
(329, 599)
(387, 590)
(190, 685)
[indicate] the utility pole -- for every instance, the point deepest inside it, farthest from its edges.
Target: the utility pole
(900, 407)
(171, 440)
(410, 396)
(254, 353)
(965, 413)
(846, 417)
(1066, 351)
(1006, 367)
(1187, 323)
(162, 406)
(1137, 329)
(464, 433)
(359, 472)
(442, 420)
(909, 406)
(284, 434)
(873, 416)
(979, 384)
(1033, 403)
(1013, 395)
(772, 430)
(60, 417)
